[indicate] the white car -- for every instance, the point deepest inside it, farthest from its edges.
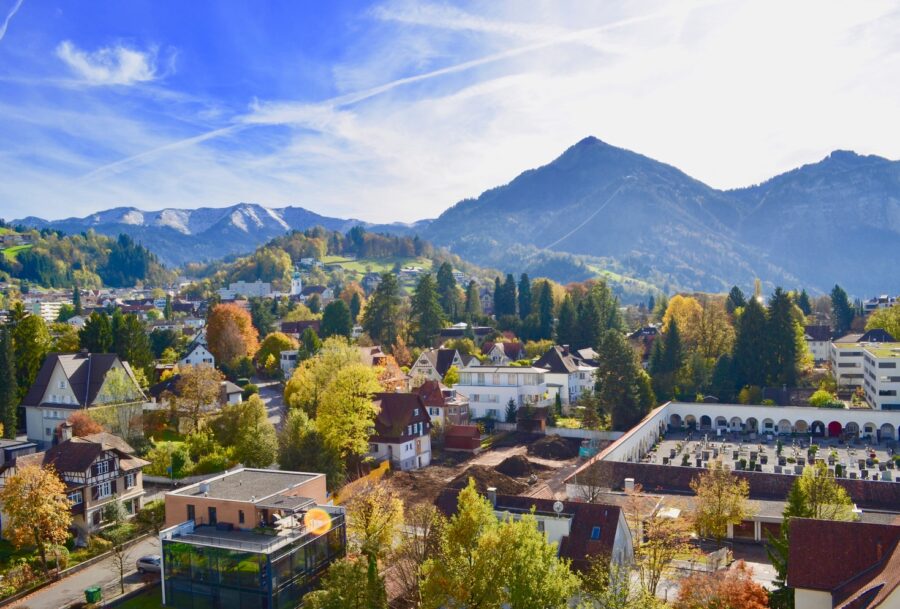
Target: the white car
(149, 564)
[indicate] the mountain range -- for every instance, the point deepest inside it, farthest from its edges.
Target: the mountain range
(599, 209)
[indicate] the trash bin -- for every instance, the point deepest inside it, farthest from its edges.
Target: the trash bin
(93, 594)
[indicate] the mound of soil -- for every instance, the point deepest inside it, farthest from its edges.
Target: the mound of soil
(553, 447)
(518, 466)
(486, 477)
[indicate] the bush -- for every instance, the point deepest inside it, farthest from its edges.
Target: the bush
(824, 399)
(98, 545)
(249, 389)
(211, 463)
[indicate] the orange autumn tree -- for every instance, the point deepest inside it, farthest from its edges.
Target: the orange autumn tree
(730, 589)
(83, 424)
(230, 334)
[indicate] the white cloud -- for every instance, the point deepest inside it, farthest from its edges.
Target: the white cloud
(118, 65)
(12, 13)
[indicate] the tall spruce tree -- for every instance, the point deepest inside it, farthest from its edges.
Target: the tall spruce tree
(804, 303)
(473, 300)
(783, 353)
(9, 399)
(355, 306)
(545, 311)
(735, 299)
(841, 311)
(623, 387)
(96, 333)
(509, 295)
(381, 315)
(448, 291)
(426, 314)
(588, 324)
(76, 299)
(167, 309)
(751, 347)
(666, 360)
(524, 296)
(498, 297)
(336, 319)
(567, 330)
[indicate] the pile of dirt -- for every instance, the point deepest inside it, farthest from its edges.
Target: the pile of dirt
(486, 477)
(553, 447)
(518, 466)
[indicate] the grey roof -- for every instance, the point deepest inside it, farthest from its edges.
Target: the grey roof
(250, 485)
(287, 503)
(85, 371)
(557, 361)
(440, 359)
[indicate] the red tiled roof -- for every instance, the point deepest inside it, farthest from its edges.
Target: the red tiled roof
(839, 557)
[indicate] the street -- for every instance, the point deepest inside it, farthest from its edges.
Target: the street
(104, 573)
(273, 397)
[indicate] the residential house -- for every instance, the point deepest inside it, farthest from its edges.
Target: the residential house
(567, 373)
(881, 375)
(879, 302)
(844, 565)
(46, 309)
(248, 538)
(256, 289)
(288, 361)
(490, 388)
(433, 364)
(402, 432)
(818, 340)
(846, 355)
(445, 406)
(583, 532)
(97, 469)
(503, 353)
(296, 328)
(198, 355)
(77, 321)
(324, 293)
(68, 382)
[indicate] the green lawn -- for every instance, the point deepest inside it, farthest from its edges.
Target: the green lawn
(12, 252)
(167, 435)
(151, 599)
(375, 265)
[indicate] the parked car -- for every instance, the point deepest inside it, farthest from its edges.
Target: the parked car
(149, 564)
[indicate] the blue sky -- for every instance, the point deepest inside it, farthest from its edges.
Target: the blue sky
(396, 110)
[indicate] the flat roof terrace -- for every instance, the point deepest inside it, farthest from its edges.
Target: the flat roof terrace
(248, 485)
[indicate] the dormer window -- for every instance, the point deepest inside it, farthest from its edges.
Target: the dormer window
(595, 533)
(62, 384)
(415, 412)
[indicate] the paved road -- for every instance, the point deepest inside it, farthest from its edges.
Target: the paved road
(273, 397)
(104, 573)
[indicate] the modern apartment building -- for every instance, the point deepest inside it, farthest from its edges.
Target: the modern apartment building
(248, 538)
(490, 388)
(881, 375)
(846, 355)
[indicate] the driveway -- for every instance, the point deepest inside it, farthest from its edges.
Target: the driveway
(273, 397)
(104, 573)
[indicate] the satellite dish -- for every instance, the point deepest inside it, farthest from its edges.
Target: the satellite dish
(558, 507)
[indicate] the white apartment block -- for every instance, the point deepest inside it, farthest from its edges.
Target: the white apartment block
(846, 355)
(881, 370)
(879, 302)
(257, 289)
(489, 389)
(47, 309)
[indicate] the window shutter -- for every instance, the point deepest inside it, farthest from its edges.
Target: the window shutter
(114, 487)
(95, 492)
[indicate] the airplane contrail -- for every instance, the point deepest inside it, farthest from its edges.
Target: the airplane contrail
(12, 13)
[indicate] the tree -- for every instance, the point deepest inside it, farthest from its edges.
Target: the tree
(784, 349)
(96, 333)
(448, 291)
(196, 393)
(505, 297)
(374, 517)
(663, 540)
(567, 330)
(588, 325)
(666, 360)
(122, 413)
(419, 542)
(380, 318)
(735, 300)
(230, 334)
(168, 311)
(76, 299)
(841, 311)
(511, 409)
(314, 304)
(31, 342)
(310, 342)
(64, 338)
(307, 385)
(610, 586)
(750, 346)
(715, 332)
(473, 300)
(485, 563)
(356, 305)
(83, 424)
(121, 554)
(152, 517)
(687, 312)
(804, 302)
(623, 387)
(301, 448)
(9, 399)
(732, 588)
(815, 494)
(545, 310)
(346, 413)
(273, 345)
(66, 312)
(336, 320)
(887, 320)
(130, 341)
(721, 500)
(37, 510)
(261, 315)
(451, 377)
(347, 584)
(257, 443)
(426, 315)
(524, 296)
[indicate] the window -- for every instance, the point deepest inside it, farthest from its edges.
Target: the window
(240, 516)
(47, 432)
(62, 384)
(104, 489)
(102, 468)
(76, 498)
(373, 448)
(129, 480)
(595, 533)
(415, 412)
(190, 512)
(887, 364)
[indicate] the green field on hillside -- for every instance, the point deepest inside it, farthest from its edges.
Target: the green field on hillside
(623, 280)
(374, 265)
(12, 252)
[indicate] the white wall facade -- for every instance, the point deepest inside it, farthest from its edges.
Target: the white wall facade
(411, 454)
(489, 389)
(847, 364)
(199, 355)
(819, 349)
(881, 376)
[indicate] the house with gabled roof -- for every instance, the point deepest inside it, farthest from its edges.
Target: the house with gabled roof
(503, 353)
(68, 382)
(97, 469)
(402, 433)
(433, 364)
(567, 373)
(445, 405)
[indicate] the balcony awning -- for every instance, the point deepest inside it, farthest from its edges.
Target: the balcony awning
(286, 503)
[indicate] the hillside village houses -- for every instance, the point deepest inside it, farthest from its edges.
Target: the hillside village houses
(97, 469)
(72, 381)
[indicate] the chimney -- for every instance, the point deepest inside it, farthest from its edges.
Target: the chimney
(629, 484)
(492, 495)
(65, 432)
